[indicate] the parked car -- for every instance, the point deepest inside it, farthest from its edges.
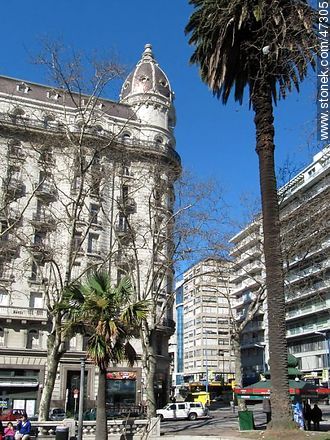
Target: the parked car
(11, 414)
(182, 410)
(57, 414)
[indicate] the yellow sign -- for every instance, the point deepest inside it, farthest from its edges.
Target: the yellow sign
(325, 375)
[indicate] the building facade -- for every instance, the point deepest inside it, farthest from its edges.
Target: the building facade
(86, 183)
(207, 356)
(305, 218)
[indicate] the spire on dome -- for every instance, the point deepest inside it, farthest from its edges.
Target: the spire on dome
(147, 78)
(147, 54)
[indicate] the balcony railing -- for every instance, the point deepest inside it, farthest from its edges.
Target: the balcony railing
(126, 204)
(8, 247)
(29, 313)
(43, 221)
(45, 190)
(152, 146)
(15, 186)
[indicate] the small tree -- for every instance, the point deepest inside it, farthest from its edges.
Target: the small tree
(112, 317)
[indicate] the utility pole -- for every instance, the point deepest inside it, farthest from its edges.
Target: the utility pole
(81, 398)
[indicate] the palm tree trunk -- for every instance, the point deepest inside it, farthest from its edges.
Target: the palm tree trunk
(101, 432)
(281, 405)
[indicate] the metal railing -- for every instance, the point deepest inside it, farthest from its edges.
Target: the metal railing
(152, 146)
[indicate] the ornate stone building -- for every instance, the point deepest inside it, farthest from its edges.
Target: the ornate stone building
(85, 182)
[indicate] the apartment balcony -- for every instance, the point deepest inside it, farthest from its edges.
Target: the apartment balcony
(317, 288)
(252, 240)
(9, 248)
(123, 232)
(314, 269)
(251, 343)
(43, 222)
(248, 284)
(16, 153)
(45, 191)
(306, 311)
(126, 204)
(15, 187)
(307, 330)
(23, 313)
(41, 252)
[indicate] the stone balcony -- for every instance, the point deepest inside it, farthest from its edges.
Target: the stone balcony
(23, 313)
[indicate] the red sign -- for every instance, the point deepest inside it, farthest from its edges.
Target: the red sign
(122, 375)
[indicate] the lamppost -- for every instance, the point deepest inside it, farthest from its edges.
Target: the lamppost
(207, 332)
(222, 354)
(262, 346)
(81, 398)
(325, 335)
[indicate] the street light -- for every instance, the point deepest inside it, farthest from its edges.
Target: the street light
(81, 398)
(206, 332)
(222, 354)
(324, 334)
(263, 354)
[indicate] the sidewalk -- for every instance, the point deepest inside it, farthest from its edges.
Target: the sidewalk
(223, 436)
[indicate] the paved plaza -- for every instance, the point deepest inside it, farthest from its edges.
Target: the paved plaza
(223, 424)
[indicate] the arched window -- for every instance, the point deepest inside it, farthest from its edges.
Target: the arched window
(126, 136)
(4, 297)
(17, 111)
(159, 140)
(48, 118)
(73, 344)
(33, 340)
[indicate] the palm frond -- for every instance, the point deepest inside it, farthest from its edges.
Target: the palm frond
(229, 38)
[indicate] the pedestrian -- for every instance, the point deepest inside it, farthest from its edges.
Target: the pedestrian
(9, 431)
(23, 428)
(267, 408)
(308, 416)
(298, 414)
(316, 417)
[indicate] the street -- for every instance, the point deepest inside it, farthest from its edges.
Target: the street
(223, 419)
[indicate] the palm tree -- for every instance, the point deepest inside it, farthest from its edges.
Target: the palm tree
(266, 45)
(111, 317)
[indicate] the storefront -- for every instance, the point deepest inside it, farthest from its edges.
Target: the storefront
(19, 389)
(123, 387)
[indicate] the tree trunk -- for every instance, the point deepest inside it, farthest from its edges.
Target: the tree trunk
(53, 357)
(149, 366)
(281, 405)
(236, 347)
(101, 432)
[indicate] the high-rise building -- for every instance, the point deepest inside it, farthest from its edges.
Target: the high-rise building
(207, 356)
(85, 183)
(305, 219)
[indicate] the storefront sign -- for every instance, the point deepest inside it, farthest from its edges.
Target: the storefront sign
(4, 404)
(122, 375)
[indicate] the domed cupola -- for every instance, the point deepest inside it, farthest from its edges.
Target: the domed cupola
(147, 79)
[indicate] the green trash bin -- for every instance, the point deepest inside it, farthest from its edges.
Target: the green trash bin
(246, 420)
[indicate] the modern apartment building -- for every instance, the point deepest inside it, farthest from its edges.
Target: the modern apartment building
(85, 183)
(305, 219)
(206, 323)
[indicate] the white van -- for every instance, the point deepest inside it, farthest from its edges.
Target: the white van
(182, 410)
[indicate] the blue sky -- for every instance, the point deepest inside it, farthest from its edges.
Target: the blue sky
(213, 140)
